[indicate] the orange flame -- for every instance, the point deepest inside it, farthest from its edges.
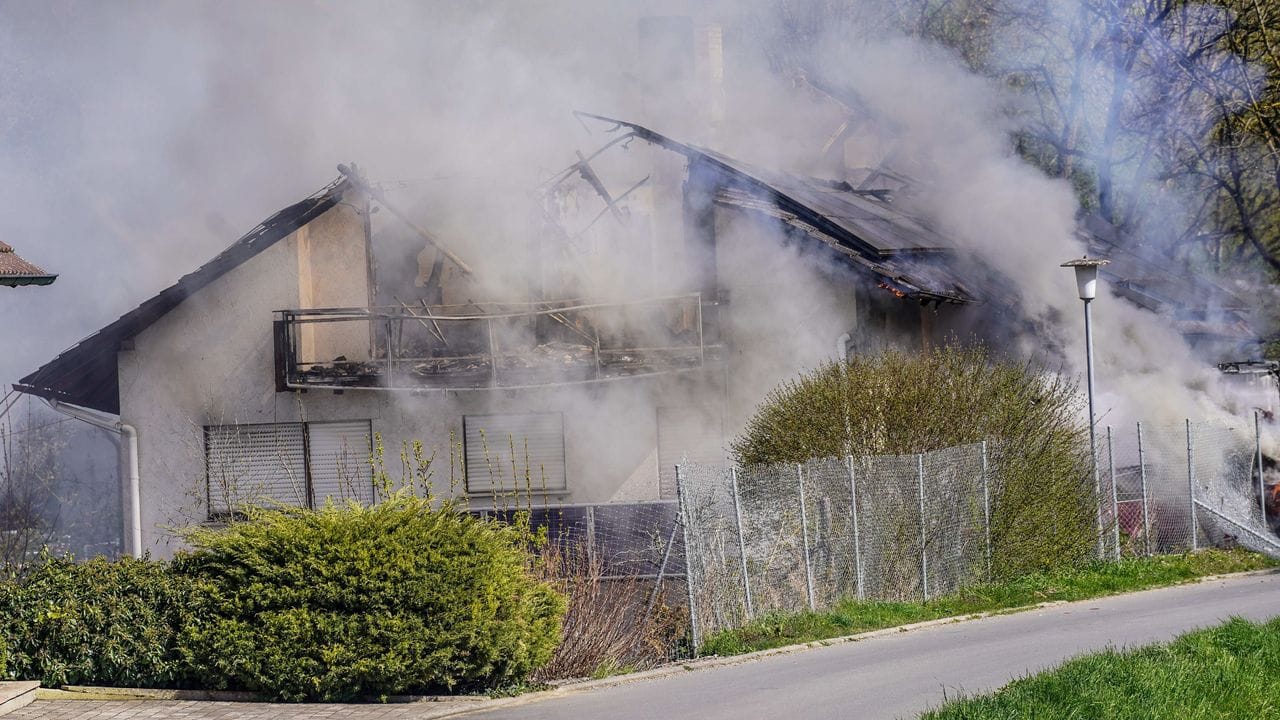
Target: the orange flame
(892, 289)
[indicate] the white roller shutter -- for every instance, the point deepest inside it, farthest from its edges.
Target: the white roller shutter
(489, 440)
(339, 453)
(686, 434)
(255, 464)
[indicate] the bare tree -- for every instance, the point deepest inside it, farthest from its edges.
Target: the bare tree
(28, 478)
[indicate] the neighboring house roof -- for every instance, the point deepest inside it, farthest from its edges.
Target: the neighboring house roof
(1146, 278)
(87, 374)
(864, 229)
(1197, 306)
(15, 271)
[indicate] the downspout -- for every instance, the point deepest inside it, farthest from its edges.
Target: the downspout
(842, 347)
(129, 434)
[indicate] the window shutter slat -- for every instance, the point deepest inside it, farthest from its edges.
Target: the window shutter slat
(255, 464)
(490, 440)
(340, 461)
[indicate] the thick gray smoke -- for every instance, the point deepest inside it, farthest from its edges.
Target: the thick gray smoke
(138, 138)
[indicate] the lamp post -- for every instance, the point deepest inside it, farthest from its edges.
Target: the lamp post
(1087, 283)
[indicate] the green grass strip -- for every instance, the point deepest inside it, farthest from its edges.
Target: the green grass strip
(1231, 671)
(1095, 580)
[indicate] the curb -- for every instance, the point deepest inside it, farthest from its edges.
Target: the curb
(94, 692)
(17, 694)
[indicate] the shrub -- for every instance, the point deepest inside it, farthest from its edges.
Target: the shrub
(896, 403)
(99, 622)
(347, 601)
(613, 624)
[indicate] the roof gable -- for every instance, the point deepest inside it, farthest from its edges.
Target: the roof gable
(87, 374)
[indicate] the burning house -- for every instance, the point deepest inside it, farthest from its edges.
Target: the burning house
(659, 290)
(265, 374)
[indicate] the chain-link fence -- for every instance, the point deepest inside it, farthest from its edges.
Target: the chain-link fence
(742, 542)
(1172, 488)
(802, 536)
(793, 537)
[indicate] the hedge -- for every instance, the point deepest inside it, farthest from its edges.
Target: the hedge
(99, 622)
(335, 604)
(347, 602)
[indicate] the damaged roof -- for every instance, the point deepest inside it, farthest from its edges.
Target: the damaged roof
(87, 374)
(861, 227)
(15, 271)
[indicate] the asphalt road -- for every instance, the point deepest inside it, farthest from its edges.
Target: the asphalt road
(898, 676)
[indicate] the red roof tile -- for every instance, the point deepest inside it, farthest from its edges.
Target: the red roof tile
(14, 268)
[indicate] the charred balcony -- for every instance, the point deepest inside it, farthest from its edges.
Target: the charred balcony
(493, 345)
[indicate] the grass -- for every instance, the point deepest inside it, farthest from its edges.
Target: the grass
(1225, 672)
(1095, 580)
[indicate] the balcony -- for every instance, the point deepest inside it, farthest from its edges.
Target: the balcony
(493, 345)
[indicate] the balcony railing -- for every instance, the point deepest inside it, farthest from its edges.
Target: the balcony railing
(492, 345)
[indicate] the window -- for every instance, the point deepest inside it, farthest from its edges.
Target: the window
(538, 443)
(301, 464)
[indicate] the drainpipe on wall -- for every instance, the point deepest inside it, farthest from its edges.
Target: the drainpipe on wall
(129, 434)
(842, 347)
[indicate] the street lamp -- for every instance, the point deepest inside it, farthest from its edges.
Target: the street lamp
(1087, 283)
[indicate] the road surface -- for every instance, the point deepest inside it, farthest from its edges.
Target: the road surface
(899, 676)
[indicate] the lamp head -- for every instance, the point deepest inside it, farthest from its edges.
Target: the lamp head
(1086, 275)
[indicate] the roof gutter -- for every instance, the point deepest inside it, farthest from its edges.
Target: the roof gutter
(20, 280)
(130, 448)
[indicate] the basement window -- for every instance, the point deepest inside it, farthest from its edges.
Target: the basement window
(515, 454)
(299, 464)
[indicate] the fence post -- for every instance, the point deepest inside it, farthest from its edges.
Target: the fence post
(1115, 501)
(986, 505)
(1142, 479)
(924, 557)
(688, 564)
(857, 546)
(1257, 456)
(591, 532)
(1191, 491)
(804, 531)
(742, 542)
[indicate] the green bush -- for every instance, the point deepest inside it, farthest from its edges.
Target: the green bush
(347, 602)
(99, 622)
(897, 403)
(4, 658)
